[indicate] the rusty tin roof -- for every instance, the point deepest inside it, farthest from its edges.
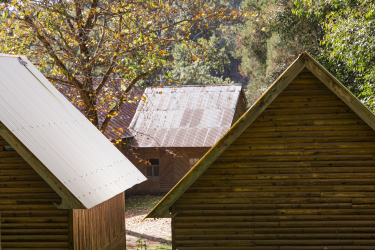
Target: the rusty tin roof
(184, 116)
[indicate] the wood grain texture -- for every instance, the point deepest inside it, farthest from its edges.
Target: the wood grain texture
(29, 219)
(101, 227)
(301, 176)
(342, 92)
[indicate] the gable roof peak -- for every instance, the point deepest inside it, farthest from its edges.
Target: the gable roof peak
(162, 209)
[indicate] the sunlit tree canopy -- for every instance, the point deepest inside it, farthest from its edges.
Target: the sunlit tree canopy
(82, 44)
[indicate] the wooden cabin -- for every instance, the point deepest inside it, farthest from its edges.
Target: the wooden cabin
(62, 182)
(174, 127)
(296, 171)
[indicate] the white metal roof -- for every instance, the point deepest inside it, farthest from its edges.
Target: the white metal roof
(60, 136)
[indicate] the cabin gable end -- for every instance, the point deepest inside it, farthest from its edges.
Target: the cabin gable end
(299, 176)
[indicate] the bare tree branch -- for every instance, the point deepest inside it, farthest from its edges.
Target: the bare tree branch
(123, 99)
(113, 63)
(61, 81)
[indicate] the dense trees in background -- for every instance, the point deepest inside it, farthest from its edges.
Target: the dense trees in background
(188, 42)
(348, 45)
(271, 40)
(195, 62)
(207, 57)
(340, 34)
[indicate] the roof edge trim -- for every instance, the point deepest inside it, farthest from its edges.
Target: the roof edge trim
(161, 210)
(69, 201)
(340, 90)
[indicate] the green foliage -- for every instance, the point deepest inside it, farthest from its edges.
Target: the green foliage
(264, 52)
(141, 244)
(348, 42)
(196, 62)
(252, 50)
(339, 33)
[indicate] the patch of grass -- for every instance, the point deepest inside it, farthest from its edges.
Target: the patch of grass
(142, 203)
(142, 245)
(160, 247)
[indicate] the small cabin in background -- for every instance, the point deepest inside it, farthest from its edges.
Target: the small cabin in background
(296, 171)
(62, 182)
(175, 126)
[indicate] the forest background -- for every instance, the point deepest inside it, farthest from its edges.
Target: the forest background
(87, 45)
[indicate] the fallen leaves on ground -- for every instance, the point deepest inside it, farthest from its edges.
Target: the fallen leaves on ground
(154, 232)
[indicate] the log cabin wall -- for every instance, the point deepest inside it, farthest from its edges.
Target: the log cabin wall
(101, 227)
(29, 219)
(240, 108)
(301, 176)
(173, 165)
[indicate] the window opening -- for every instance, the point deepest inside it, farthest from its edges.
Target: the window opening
(153, 170)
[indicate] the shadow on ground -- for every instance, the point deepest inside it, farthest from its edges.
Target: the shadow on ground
(148, 237)
(155, 232)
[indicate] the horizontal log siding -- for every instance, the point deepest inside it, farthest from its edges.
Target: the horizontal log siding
(29, 219)
(302, 176)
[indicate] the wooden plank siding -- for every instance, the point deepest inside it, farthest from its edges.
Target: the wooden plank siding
(174, 164)
(29, 218)
(101, 227)
(301, 176)
(241, 107)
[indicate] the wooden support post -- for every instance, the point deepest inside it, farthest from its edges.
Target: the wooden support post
(71, 230)
(172, 210)
(173, 234)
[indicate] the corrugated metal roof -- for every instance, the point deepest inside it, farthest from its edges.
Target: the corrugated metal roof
(91, 168)
(125, 113)
(184, 116)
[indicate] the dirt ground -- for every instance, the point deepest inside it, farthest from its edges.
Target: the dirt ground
(155, 233)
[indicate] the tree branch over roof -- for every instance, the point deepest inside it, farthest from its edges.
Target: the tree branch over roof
(123, 99)
(82, 40)
(52, 53)
(61, 81)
